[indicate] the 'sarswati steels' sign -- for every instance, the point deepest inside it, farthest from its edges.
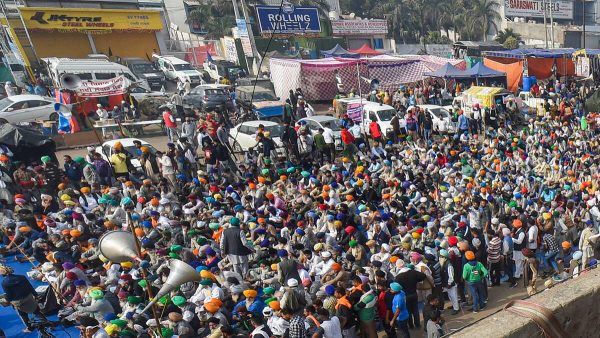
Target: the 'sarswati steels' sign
(561, 9)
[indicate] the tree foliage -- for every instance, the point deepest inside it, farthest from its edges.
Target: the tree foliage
(502, 36)
(511, 43)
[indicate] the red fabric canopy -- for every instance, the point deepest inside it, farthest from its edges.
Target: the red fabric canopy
(365, 50)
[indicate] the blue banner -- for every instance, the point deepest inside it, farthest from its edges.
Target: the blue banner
(288, 20)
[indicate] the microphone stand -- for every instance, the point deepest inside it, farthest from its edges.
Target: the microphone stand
(143, 272)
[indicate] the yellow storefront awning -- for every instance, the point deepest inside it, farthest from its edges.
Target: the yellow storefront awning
(90, 20)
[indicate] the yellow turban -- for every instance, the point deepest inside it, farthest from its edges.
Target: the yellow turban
(250, 293)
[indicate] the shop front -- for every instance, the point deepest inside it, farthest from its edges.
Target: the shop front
(75, 33)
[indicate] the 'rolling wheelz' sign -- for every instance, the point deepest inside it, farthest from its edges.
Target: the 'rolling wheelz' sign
(288, 20)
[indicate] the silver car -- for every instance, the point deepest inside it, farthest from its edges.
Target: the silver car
(30, 108)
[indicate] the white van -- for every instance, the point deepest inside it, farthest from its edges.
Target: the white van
(90, 69)
(177, 69)
(382, 113)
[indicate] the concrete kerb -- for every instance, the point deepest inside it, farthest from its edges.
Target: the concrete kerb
(574, 303)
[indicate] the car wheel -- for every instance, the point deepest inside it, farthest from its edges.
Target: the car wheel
(3, 121)
(53, 117)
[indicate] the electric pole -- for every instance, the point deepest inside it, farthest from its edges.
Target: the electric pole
(545, 24)
(551, 24)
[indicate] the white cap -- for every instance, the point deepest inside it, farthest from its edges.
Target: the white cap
(326, 254)
(385, 246)
(495, 220)
(292, 282)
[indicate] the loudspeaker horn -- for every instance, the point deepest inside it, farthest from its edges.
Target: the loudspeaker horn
(118, 246)
(180, 273)
(70, 81)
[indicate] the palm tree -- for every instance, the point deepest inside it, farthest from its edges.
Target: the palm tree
(505, 34)
(484, 12)
(205, 14)
(452, 11)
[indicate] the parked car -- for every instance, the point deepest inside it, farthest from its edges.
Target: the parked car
(243, 136)
(177, 69)
(29, 108)
(146, 71)
(139, 93)
(441, 118)
(106, 150)
(260, 82)
(324, 121)
(261, 101)
(207, 97)
(223, 68)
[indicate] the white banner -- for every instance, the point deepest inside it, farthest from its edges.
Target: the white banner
(359, 27)
(582, 67)
(97, 88)
(561, 9)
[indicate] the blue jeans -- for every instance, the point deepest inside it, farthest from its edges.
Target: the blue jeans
(550, 258)
(539, 255)
(477, 291)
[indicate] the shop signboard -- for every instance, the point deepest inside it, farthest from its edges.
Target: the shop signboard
(359, 27)
(561, 9)
(77, 19)
(289, 19)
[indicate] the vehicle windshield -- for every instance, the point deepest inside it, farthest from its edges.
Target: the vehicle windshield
(275, 130)
(386, 115)
(264, 96)
(5, 103)
(143, 68)
(440, 112)
(334, 125)
(183, 66)
(135, 152)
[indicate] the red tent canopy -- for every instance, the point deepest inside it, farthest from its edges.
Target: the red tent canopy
(365, 50)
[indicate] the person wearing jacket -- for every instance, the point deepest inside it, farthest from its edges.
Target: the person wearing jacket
(375, 131)
(21, 294)
(473, 273)
(348, 141)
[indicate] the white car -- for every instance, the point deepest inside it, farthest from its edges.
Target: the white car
(106, 150)
(322, 121)
(441, 117)
(139, 93)
(177, 69)
(243, 136)
(30, 108)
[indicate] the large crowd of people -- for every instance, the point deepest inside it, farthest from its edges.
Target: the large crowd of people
(396, 232)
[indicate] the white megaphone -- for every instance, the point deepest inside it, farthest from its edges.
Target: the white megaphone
(70, 81)
(118, 246)
(181, 273)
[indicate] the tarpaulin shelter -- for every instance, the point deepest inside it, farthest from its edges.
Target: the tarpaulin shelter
(485, 96)
(317, 78)
(541, 63)
(483, 74)
(27, 145)
(365, 50)
(448, 71)
(339, 52)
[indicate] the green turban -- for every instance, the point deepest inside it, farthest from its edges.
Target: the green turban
(119, 322)
(179, 300)
(134, 299)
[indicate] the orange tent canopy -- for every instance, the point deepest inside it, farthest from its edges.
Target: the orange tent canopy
(365, 50)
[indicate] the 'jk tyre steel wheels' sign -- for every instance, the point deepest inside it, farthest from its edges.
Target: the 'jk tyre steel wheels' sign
(288, 20)
(70, 19)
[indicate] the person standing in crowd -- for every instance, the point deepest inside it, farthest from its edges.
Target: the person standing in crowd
(474, 273)
(234, 248)
(170, 124)
(21, 295)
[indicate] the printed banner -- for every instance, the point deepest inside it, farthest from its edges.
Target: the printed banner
(97, 88)
(359, 27)
(354, 111)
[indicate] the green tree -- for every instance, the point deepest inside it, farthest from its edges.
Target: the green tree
(511, 43)
(502, 36)
(484, 13)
